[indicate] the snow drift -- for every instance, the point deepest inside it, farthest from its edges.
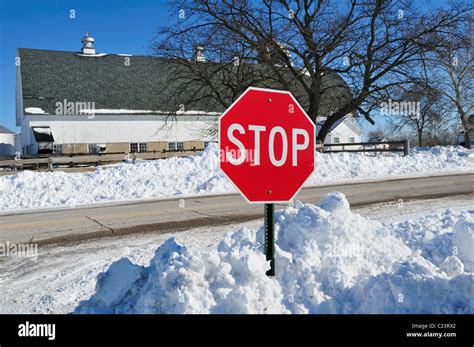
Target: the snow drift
(328, 260)
(200, 174)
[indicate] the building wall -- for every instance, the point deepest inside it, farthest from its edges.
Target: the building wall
(119, 147)
(344, 133)
(18, 143)
(117, 132)
(18, 93)
(75, 148)
(190, 145)
(157, 146)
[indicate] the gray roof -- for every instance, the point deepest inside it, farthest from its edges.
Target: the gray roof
(147, 83)
(4, 130)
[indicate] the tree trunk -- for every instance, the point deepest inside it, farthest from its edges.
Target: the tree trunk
(313, 111)
(325, 128)
(467, 138)
(465, 124)
(420, 138)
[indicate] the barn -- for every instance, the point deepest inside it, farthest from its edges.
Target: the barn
(88, 102)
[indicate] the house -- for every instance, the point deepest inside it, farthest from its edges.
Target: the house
(346, 130)
(7, 142)
(88, 102)
(470, 123)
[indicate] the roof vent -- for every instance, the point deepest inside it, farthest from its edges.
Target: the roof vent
(199, 54)
(88, 47)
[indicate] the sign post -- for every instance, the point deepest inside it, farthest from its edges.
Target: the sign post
(267, 145)
(269, 226)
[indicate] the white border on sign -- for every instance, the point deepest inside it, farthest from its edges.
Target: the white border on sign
(219, 142)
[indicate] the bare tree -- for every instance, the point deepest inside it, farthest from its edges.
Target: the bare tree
(426, 114)
(377, 133)
(453, 72)
(371, 45)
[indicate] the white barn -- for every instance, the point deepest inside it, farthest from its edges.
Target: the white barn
(85, 102)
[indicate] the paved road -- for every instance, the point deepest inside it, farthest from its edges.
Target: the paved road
(78, 224)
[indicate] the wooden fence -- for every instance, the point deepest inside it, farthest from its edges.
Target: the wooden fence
(56, 162)
(78, 161)
(368, 147)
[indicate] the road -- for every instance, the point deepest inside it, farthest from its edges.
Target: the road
(76, 224)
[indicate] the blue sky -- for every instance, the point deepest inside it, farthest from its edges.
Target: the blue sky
(118, 26)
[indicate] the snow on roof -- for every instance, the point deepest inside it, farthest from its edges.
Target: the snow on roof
(42, 130)
(126, 111)
(347, 120)
(35, 110)
(96, 55)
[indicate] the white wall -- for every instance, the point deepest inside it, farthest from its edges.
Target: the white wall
(344, 133)
(18, 143)
(7, 144)
(18, 94)
(110, 129)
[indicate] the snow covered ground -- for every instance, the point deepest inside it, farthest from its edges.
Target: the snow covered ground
(200, 174)
(329, 259)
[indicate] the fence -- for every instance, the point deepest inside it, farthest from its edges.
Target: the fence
(54, 162)
(368, 147)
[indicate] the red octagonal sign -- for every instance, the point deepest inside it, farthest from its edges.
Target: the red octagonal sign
(267, 144)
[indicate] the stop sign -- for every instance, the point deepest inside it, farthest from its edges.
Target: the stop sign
(267, 144)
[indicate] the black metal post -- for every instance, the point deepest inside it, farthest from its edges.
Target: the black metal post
(269, 225)
(406, 147)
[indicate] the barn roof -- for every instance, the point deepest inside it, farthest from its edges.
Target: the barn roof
(120, 82)
(4, 130)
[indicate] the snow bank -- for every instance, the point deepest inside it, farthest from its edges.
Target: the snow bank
(328, 260)
(195, 175)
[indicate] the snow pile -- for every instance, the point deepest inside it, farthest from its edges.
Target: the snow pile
(200, 174)
(343, 166)
(328, 260)
(439, 236)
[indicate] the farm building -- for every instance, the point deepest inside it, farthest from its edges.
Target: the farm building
(88, 102)
(8, 142)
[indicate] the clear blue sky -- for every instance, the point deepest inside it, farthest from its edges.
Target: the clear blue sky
(118, 26)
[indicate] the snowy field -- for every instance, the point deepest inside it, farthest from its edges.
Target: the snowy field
(414, 257)
(200, 175)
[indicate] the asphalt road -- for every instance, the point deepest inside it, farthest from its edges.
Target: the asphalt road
(71, 225)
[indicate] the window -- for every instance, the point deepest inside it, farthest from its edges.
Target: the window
(138, 147)
(336, 140)
(352, 139)
(133, 147)
(171, 146)
(175, 146)
(57, 149)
